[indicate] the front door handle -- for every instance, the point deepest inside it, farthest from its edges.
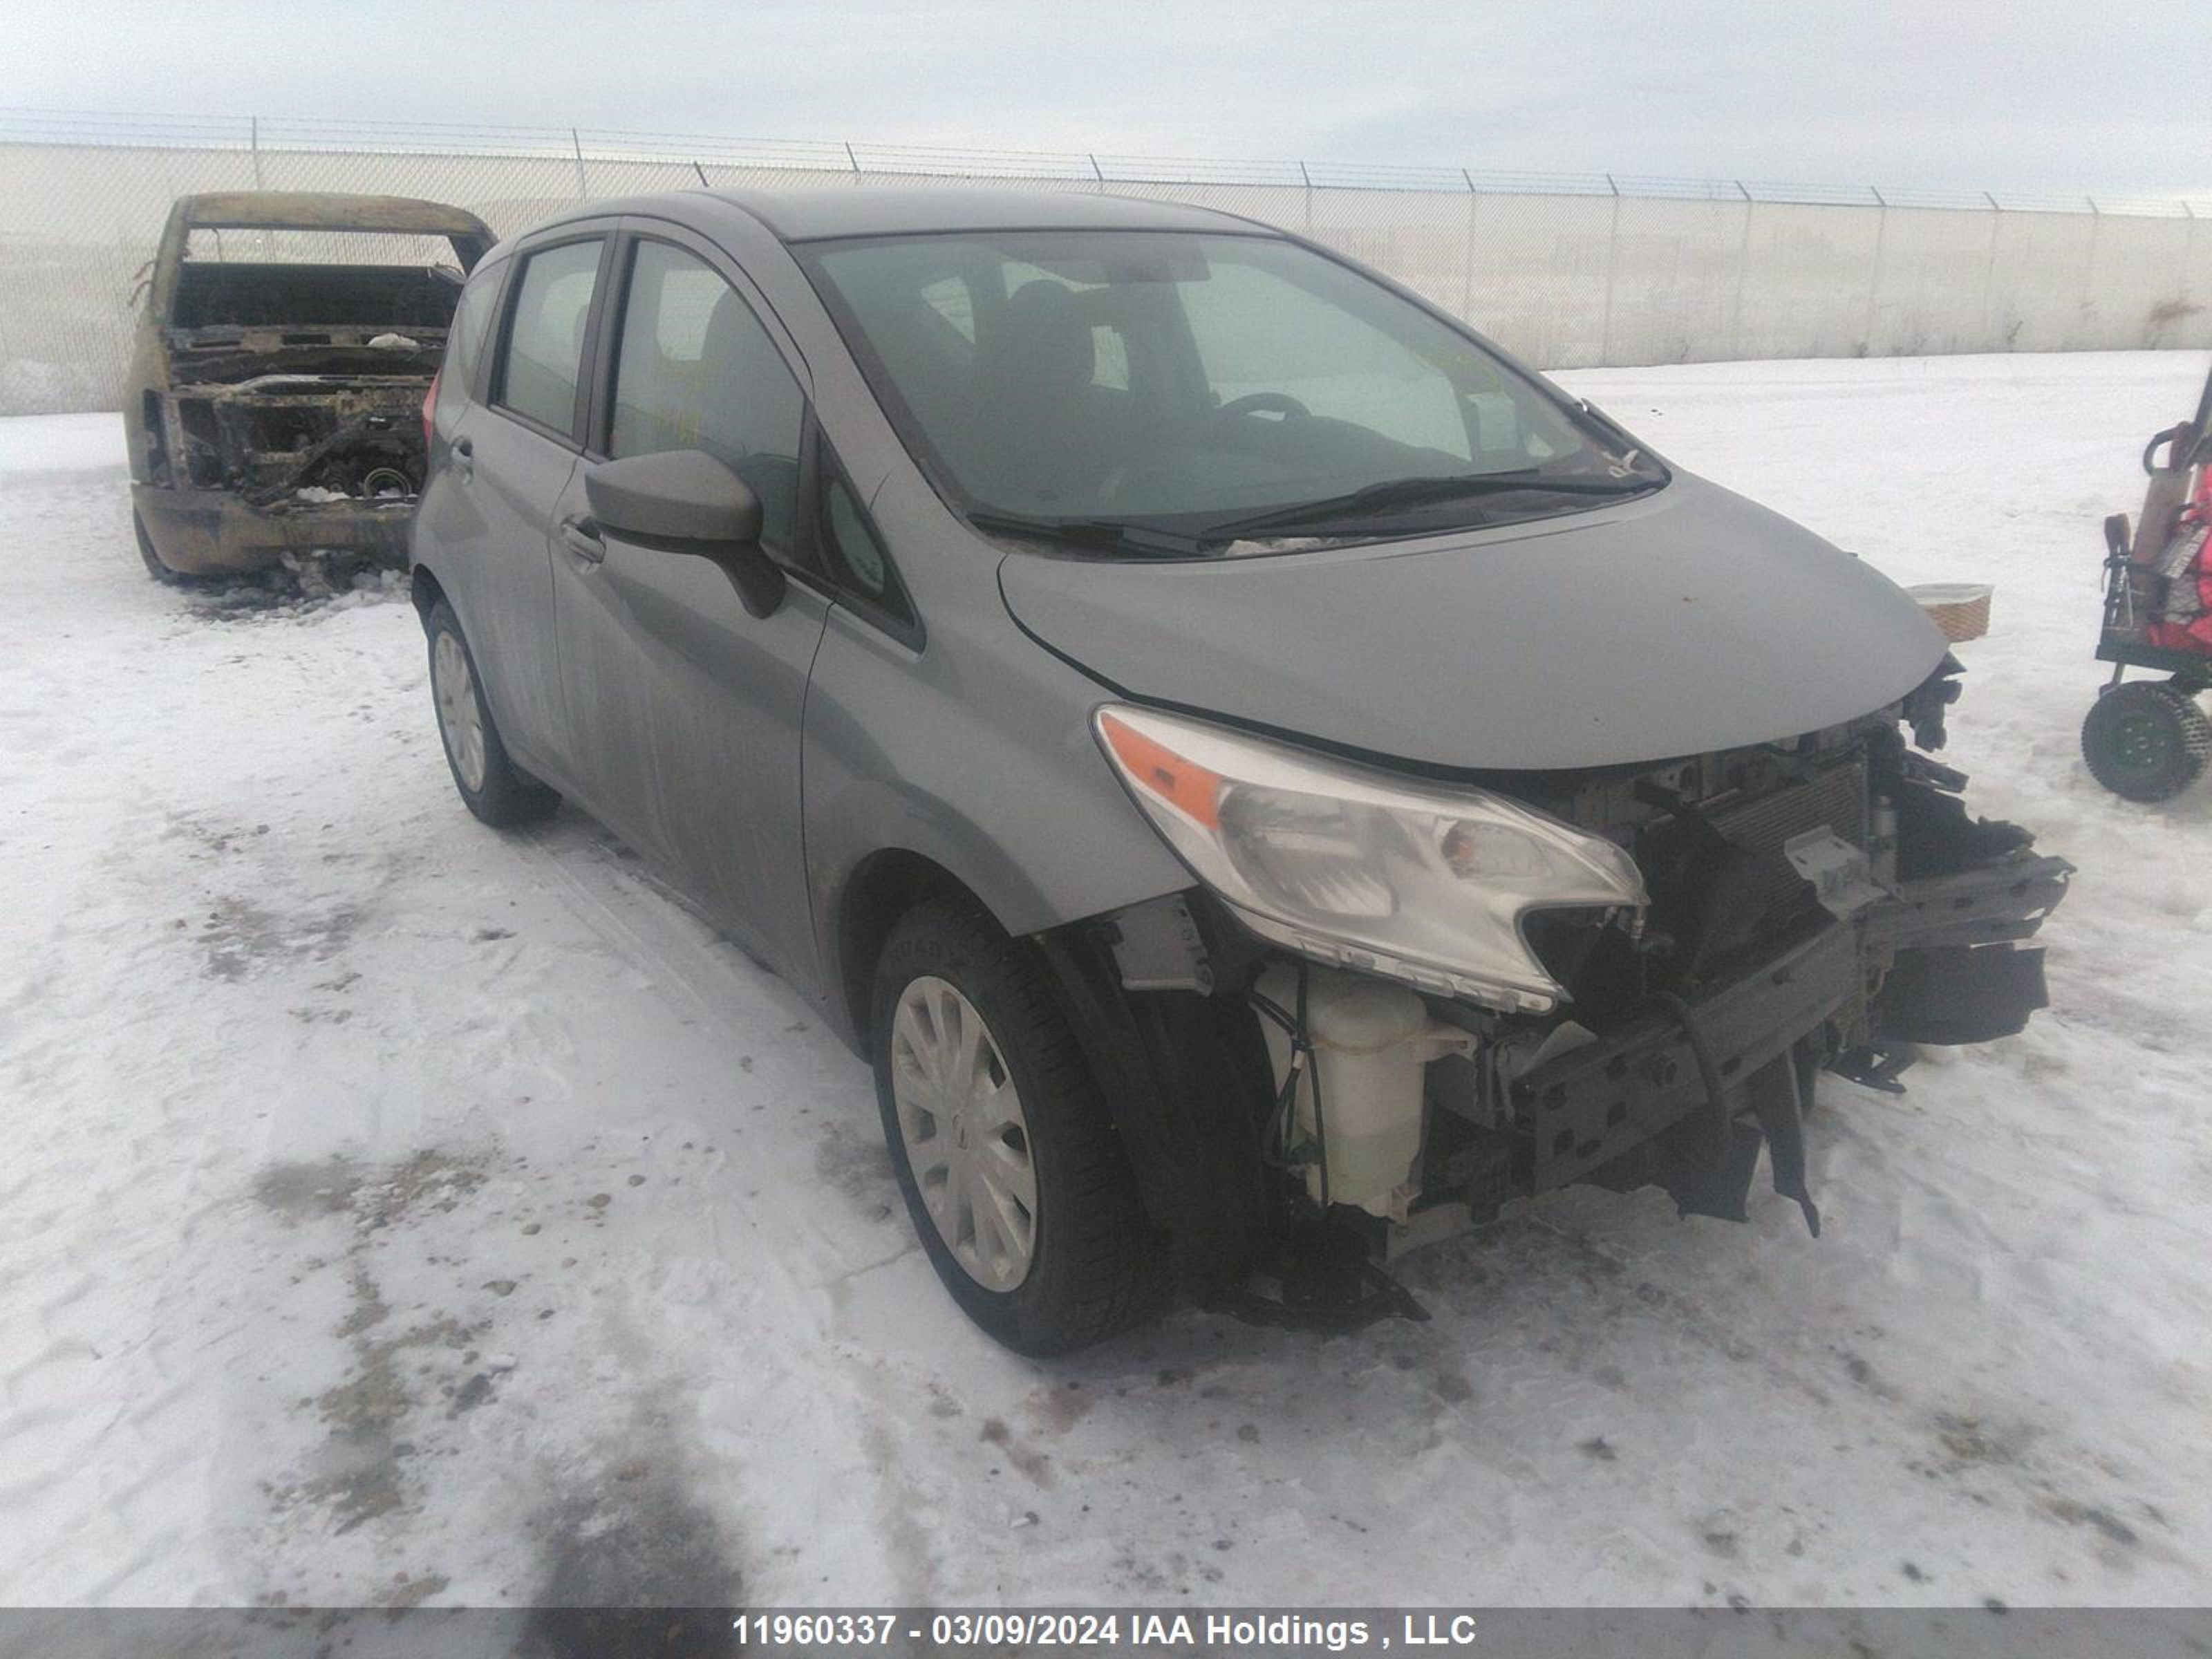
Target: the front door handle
(582, 537)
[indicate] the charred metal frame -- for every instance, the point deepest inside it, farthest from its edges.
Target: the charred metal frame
(218, 460)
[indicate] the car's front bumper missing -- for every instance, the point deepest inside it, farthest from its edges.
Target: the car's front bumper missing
(1668, 1098)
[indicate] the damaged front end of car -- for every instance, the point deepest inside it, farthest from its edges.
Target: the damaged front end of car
(1628, 977)
(1823, 904)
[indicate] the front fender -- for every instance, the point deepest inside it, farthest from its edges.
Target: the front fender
(1000, 786)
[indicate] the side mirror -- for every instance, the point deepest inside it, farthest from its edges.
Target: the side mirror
(684, 500)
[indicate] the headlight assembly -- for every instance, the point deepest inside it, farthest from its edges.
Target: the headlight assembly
(1425, 883)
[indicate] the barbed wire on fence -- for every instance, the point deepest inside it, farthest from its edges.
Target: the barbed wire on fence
(251, 132)
(1569, 270)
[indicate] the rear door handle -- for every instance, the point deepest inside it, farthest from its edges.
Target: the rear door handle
(464, 458)
(582, 538)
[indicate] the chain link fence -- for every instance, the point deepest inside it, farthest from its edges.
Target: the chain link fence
(1569, 270)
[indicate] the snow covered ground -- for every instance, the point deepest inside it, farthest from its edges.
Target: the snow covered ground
(393, 1211)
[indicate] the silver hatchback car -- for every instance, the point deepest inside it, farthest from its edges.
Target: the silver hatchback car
(1263, 777)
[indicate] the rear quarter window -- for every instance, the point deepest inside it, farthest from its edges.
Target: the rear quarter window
(471, 324)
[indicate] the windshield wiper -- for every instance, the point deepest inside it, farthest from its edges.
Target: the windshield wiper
(1421, 492)
(1116, 537)
(1106, 535)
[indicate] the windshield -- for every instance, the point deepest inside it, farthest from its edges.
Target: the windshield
(1207, 390)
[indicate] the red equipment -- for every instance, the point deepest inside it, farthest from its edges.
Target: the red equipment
(2150, 740)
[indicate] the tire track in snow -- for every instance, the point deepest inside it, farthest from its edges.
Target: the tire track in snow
(658, 938)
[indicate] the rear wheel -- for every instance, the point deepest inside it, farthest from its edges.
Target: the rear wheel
(493, 786)
(1013, 1175)
(2147, 741)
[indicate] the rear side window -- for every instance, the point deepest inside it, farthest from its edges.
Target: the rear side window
(471, 322)
(545, 357)
(697, 371)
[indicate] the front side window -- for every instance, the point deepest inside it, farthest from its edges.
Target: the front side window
(544, 359)
(696, 370)
(1207, 389)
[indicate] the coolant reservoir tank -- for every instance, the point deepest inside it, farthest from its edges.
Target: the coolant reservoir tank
(1370, 1039)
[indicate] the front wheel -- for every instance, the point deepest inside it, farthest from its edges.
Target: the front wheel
(2147, 741)
(492, 786)
(1012, 1173)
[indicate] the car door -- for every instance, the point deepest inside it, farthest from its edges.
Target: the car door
(685, 710)
(516, 456)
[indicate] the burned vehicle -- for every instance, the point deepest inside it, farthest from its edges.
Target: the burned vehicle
(273, 401)
(1264, 778)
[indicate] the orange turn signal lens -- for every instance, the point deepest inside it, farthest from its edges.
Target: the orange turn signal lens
(1183, 784)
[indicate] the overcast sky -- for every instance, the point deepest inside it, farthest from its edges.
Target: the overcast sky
(2029, 95)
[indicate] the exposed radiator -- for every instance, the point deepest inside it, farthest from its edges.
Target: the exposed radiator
(1837, 801)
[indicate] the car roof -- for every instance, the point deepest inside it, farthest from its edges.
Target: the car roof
(303, 209)
(799, 215)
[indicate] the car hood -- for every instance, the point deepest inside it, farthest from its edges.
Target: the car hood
(1688, 621)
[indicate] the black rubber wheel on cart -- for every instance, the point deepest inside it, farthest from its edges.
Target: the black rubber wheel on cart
(2147, 741)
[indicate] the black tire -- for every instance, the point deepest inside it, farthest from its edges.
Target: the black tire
(2147, 740)
(159, 572)
(1097, 1267)
(505, 795)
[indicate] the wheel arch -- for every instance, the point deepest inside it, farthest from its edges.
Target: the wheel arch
(424, 590)
(882, 888)
(1184, 1077)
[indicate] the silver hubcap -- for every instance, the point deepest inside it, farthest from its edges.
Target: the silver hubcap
(460, 720)
(966, 1139)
